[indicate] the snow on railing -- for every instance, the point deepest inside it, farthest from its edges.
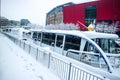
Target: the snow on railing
(105, 28)
(64, 67)
(86, 56)
(62, 26)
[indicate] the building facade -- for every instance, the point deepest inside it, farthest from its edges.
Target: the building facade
(55, 16)
(105, 12)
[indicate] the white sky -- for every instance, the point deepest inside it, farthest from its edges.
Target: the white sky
(34, 10)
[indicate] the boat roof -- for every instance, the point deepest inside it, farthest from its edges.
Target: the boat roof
(90, 34)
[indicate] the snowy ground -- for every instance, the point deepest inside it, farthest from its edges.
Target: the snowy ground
(15, 64)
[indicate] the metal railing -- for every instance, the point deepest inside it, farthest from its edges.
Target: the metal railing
(64, 67)
(94, 58)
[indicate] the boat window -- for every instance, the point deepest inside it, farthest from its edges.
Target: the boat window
(72, 42)
(59, 41)
(48, 38)
(52, 38)
(29, 33)
(90, 48)
(107, 45)
(34, 35)
(39, 35)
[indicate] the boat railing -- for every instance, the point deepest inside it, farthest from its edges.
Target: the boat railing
(94, 59)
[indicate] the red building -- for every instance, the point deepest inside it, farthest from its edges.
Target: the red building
(102, 10)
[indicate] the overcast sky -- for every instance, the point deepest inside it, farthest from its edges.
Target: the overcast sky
(33, 10)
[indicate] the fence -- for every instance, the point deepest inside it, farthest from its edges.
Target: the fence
(64, 67)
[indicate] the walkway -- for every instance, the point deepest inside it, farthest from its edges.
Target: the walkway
(15, 64)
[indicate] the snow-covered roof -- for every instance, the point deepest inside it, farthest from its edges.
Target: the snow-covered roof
(92, 34)
(89, 34)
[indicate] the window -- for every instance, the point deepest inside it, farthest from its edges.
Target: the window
(90, 14)
(107, 45)
(48, 38)
(39, 36)
(72, 42)
(34, 35)
(89, 47)
(59, 40)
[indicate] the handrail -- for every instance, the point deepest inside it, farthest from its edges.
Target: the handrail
(92, 53)
(71, 50)
(96, 54)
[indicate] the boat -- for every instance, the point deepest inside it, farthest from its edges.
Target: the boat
(99, 50)
(93, 48)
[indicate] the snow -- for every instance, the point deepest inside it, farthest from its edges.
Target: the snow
(16, 64)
